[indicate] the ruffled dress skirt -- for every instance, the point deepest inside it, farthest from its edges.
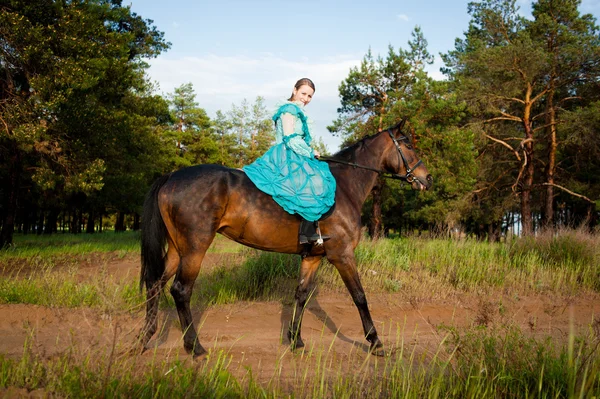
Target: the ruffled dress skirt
(301, 185)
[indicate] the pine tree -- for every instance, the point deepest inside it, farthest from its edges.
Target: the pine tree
(67, 69)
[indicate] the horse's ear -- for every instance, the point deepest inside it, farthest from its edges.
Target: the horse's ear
(398, 128)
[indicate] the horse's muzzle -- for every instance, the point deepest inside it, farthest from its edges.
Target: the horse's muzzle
(418, 184)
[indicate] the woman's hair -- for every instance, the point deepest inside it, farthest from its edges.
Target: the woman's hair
(300, 83)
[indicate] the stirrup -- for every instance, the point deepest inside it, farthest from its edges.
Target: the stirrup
(321, 238)
(310, 234)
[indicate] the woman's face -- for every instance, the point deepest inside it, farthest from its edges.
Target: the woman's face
(303, 94)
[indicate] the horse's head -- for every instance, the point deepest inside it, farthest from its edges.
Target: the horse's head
(402, 160)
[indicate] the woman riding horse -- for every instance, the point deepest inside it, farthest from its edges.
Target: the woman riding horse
(185, 209)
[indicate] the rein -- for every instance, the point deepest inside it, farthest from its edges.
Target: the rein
(408, 177)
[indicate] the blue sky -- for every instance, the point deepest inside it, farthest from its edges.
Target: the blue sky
(232, 50)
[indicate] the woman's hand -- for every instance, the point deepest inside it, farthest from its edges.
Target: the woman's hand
(317, 155)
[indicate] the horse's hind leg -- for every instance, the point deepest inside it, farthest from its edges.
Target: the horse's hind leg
(182, 292)
(305, 288)
(153, 296)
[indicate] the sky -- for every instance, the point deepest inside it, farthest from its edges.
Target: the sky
(231, 50)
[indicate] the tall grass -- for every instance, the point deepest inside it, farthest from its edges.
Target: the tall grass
(48, 250)
(478, 363)
(261, 276)
(31, 245)
(63, 290)
(566, 263)
(420, 269)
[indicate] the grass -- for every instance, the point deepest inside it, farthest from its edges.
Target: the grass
(485, 360)
(30, 245)
(62, 290)
(477, 363)
(415, 268)
(47, 250)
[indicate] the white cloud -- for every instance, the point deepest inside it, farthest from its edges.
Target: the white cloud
(403, 17)
(433, 70)
(220, 81)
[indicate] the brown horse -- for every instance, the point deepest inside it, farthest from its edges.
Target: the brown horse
(185, 209)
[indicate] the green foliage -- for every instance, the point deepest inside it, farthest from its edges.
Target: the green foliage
(77, 111)
(189, 138)
(252, 129)
(519, 78)
(385, 90)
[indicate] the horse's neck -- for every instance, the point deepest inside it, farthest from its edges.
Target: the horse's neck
(359, 181)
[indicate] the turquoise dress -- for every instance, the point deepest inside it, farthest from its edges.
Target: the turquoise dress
(289, 171)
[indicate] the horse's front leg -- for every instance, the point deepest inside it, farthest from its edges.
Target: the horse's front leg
(305, 289)
(346, 266)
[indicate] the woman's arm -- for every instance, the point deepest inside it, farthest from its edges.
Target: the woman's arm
(296, 143)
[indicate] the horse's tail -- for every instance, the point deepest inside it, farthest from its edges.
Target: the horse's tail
(154, 237)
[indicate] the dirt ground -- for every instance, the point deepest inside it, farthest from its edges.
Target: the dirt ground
(251, 332)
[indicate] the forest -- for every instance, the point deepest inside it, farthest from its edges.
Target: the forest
(510, 135)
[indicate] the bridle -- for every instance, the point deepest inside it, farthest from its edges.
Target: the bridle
(408, 177)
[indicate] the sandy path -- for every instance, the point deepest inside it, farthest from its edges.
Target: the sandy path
(251, 332)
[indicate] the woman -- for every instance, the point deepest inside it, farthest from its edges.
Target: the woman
(290, 170)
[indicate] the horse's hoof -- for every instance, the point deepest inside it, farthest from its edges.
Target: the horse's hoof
(295, 342)
(137, 350)
(377, 352)
(196, 350)
(199, 353)
(376, 349)
(298, 344)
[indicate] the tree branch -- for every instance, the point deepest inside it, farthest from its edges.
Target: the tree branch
(542, 93)
(505, 144)
(523, 165)
(570, 192)
(544, 126)
(569, 98)
(5, 126)
(510, 99)
(501, 118)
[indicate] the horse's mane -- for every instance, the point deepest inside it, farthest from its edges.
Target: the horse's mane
(348, 153)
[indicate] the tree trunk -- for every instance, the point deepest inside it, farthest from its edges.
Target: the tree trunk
(591, 219)
(26, 223)
(74, 222)
(526, 217)
(375, 223)
(136, 222)
(51, 221)
(120, 223)
(551, 167)
(12, 193)
(493, 234)
(40, 223)
(89, 228)
(528, 171)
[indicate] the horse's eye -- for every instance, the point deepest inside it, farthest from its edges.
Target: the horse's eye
(406, 142)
